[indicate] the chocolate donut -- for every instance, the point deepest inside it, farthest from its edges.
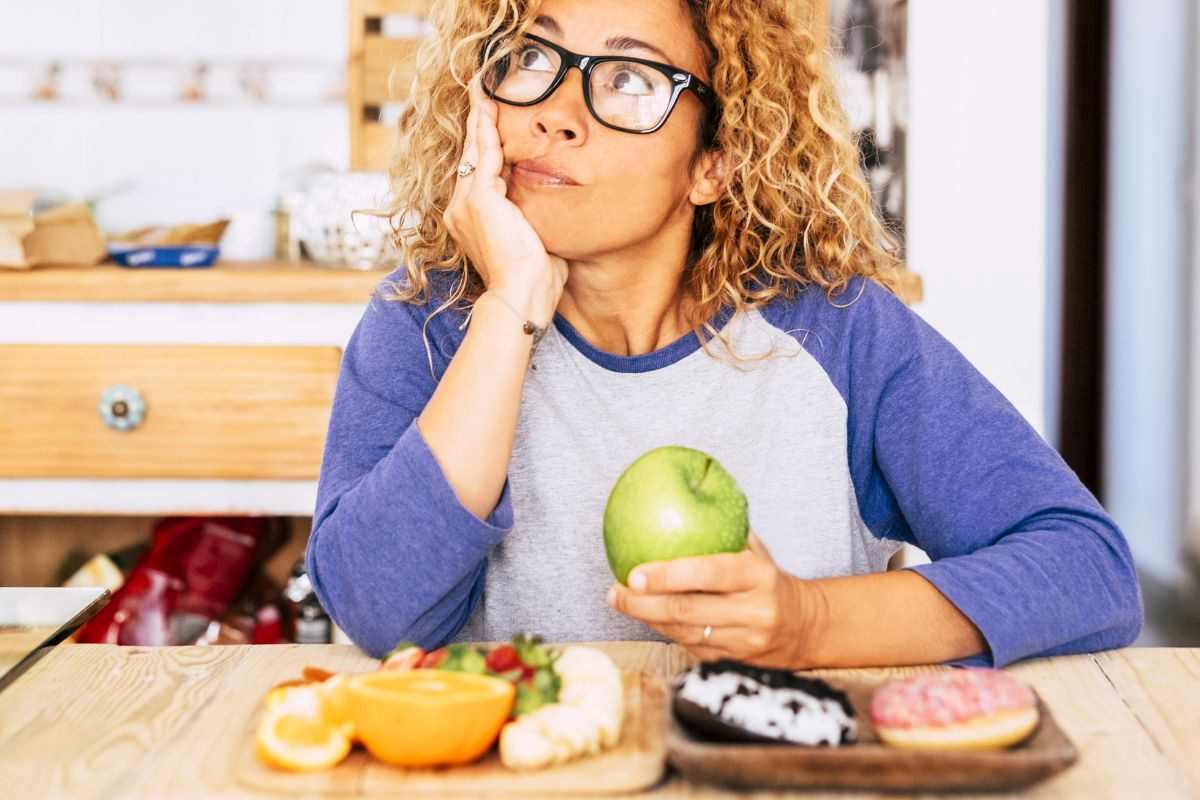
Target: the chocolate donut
(731, 701)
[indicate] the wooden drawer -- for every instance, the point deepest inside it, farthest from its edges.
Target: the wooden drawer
(225, 412)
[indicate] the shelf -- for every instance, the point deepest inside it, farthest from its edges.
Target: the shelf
(225, 282)
(154, 497)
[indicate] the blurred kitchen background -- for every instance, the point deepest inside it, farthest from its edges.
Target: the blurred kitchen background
(1036, 159)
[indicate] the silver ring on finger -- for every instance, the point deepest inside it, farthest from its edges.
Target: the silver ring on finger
(465, 169)
(706, 635)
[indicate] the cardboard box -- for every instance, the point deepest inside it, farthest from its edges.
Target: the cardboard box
(66, 234)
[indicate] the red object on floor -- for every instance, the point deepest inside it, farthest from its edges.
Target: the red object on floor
(139, 613)
(193, 570)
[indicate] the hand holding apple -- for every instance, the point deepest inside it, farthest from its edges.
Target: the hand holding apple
(676, 529)
(757, 612)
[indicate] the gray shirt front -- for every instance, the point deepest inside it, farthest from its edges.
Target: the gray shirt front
(773, 420)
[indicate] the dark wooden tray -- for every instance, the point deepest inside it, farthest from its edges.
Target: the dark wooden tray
(869, 764)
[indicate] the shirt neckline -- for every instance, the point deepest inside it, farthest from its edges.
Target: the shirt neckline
(665, 356)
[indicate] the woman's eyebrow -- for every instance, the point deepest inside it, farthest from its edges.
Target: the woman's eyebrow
(630, 43)
(550, 25)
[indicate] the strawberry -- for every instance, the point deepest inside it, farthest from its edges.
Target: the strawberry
(405, 657)
(503, 659)
(433, 659)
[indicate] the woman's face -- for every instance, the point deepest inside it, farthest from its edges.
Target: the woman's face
(623, 188)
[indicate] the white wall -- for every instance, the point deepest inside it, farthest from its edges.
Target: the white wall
(977, 184)
(1151, 165)
(179, 162)
(1193, 367)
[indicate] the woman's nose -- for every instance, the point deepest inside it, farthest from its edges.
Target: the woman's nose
(563, 115)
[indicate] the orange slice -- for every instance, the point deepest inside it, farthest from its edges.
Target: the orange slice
(299, 733)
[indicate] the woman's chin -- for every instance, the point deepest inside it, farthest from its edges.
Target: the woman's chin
(558, 235)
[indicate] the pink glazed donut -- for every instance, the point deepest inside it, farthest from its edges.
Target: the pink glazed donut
(962, 709)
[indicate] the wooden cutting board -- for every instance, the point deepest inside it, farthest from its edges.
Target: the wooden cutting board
(637, 762)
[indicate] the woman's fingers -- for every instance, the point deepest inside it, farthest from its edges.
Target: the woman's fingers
(491, 231)
(756, 546)
(682, 608)
(456, 209)
(722, 642)
(723, 572)
(491, 156)
(470, 152)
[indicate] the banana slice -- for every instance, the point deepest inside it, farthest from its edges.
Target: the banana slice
(586, 662)
(569, 726)
(608, 723)
(586, 719)
(589, 691)
(524, 746)
(600, 699)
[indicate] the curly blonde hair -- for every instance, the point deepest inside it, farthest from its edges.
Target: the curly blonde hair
(795, 210)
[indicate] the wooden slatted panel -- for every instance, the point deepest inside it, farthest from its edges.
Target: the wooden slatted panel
(379, 70)
(389, 66)
(380, 8)
(378, 143)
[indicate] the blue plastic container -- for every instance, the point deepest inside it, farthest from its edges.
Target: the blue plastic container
(180, 256)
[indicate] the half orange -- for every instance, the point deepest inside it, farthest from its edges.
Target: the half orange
(427, 717)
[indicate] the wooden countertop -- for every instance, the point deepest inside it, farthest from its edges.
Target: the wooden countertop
(224, 282)
(103, 721)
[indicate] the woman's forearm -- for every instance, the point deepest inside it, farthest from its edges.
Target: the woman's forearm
(882, 619)
(470, 421)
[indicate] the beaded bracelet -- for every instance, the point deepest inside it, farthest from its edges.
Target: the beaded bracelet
(528, 326)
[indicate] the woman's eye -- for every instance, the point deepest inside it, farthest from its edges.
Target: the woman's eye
(629, 81)
(532, 58)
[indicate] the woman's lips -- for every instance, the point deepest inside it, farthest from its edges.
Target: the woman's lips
(533, 173)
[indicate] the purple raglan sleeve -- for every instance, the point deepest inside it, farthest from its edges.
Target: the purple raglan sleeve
(942, 460)
(393, 555)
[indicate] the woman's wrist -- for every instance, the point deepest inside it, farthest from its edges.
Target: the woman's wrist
(883, 619)
(533, 303)
(811, 622)
(499, 325)
(504, 327)
(803, 619)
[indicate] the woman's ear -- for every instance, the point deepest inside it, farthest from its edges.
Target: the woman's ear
(708, 178)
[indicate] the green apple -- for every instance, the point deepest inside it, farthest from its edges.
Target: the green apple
(670, 503)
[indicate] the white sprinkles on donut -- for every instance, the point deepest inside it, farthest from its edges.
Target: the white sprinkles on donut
(774, 704)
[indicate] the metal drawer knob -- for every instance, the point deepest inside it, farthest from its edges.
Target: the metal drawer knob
(122, 407)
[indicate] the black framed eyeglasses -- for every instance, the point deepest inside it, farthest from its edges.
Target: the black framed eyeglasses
(634, 95)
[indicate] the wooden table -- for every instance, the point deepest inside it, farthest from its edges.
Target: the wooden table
(102, 721)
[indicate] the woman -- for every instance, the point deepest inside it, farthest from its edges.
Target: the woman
(685, 223)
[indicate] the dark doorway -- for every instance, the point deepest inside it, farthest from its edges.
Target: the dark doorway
(1081, 406)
